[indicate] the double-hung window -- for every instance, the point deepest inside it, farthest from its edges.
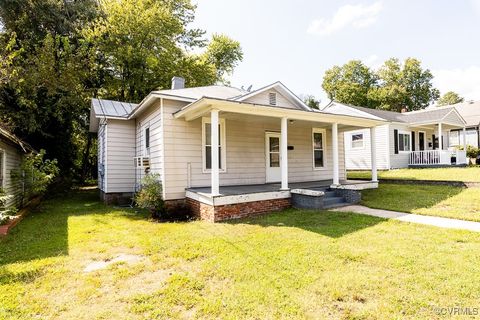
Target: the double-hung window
(357, 140)
(207, 145)
(404, 141)
(318, 144)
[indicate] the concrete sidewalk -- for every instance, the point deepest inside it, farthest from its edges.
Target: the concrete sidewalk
(414, 218)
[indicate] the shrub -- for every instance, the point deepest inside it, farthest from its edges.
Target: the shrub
(472, 152)
(4, 212)
(35, 174)
(150, 195)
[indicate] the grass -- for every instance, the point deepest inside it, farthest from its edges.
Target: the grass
(467, 174)
(430, 200)
(293, 264)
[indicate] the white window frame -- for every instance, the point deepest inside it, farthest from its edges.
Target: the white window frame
(3, 173)
(324, 148)
(147, 149)
(223, 144)
(363, 140)
(407, 133)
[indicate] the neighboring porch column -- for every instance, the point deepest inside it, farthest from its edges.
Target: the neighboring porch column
(373, 153)
(284, 153)
(464, 139)
(439, 136)
(214, 153)
(336, 175)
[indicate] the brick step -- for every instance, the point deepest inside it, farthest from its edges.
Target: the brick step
(327, 201)
(329, 194)
(336, 205)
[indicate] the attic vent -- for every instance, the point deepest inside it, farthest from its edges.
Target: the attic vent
(272, 98)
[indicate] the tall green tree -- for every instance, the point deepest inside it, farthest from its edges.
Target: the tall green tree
(56, 54)
(350, 83)
(311, 101)
(393, 87)
(143, 43)
(449, 98)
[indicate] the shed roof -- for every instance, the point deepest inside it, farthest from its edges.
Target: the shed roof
(25, 147)
(110, 108)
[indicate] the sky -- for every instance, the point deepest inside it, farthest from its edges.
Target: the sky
(297, 41)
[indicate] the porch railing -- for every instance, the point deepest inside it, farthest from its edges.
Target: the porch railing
(437, 157)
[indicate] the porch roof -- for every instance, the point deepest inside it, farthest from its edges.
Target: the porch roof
(202, 106)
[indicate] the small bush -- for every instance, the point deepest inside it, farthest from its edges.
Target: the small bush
(150, 196)
(4, 212)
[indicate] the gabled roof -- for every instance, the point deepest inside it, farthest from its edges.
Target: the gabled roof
(25, 147)
(216, 91)
(428, 115)
(470, 111)
(279, 87)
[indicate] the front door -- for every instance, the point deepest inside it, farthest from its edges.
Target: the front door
(272, 146)
(421, 140)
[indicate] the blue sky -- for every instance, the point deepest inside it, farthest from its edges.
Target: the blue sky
(296, 41)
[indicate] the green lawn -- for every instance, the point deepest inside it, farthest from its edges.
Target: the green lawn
(442, 201)
(293, 264)
(467, 174)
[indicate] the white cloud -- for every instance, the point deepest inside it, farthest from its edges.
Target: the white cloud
(465, 82)
(372, 61)
(356, 16)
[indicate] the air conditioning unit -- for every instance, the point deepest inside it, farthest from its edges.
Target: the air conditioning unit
(142, 162)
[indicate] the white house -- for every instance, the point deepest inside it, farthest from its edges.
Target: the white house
(409, 139)
(269, 146)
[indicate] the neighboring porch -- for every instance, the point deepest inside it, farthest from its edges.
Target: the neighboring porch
(438, 153)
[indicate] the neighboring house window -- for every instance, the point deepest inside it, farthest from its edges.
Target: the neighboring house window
(272, 98)
(404, 141)
(357, 140)
(147, 139)
(207, 144)
(2, 168)
(318, 140)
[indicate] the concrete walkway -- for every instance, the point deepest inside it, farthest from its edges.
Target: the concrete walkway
(414, 218)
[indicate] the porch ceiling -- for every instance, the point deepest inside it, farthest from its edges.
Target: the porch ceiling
(203, 107)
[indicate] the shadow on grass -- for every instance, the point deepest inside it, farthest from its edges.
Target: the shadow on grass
(408, 197)
(44, 231)
(327, 223)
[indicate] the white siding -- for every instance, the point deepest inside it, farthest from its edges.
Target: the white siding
(13, 157)
(400, 160)
(360, 158)
(453, 118)
(120, 170)
(245, 148)
(263, 98)
(101, 155)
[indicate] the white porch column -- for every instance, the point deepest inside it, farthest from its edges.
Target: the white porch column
(373, 153)
(336, 175)
(284, 153)
(464, 139)
(440, 136)
(214, 153)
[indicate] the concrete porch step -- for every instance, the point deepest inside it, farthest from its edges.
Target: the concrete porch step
(337, 205)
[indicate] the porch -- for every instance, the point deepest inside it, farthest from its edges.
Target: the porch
(437, 158)
(287, 155)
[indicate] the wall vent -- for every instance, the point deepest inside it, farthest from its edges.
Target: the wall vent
(272, 98)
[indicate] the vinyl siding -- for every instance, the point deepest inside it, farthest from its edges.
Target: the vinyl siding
(245, 154)
(400, 160)
(360, 158)
(101, 155)
(263, 98)
(453, 118)
(120, 171)
(13, 158)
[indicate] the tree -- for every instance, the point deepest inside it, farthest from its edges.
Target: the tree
(311, 101)
(350, 83)
(393, 87)
(449, 98)
(144, 43)
(56, 55)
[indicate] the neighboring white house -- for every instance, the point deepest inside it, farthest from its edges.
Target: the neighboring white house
(12, 150)
(409, 139)
(229, 172)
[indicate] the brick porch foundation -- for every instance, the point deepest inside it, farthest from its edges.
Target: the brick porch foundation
(234, 211)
